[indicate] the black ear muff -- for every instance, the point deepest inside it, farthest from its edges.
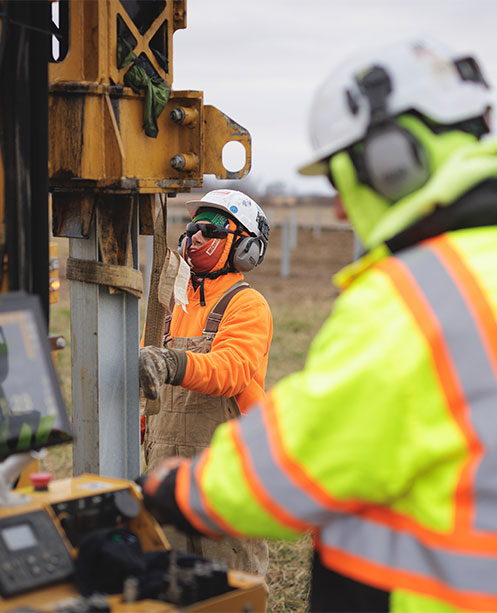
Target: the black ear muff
(182, 243)
(247, 253)
(394, 161)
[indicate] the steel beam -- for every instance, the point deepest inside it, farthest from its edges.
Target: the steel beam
(105, 393)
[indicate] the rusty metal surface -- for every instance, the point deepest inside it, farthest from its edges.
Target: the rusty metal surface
(114, 228)
(146, 204)
(114, 220)
(72, 214)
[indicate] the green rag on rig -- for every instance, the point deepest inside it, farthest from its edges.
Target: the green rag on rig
(139, 78)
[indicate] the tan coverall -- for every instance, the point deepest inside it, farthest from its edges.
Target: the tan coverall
(187, 419)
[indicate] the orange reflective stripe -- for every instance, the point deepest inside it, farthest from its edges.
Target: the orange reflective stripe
(261, 494)
(407, 287)
(386, 578)
(209, 511)
(457, 539)
(461, 536)
(295, 471)
(183, 477)
(484, 321)
(422, 312)
(154, 479)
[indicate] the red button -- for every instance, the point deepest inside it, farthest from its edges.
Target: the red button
(41, 480)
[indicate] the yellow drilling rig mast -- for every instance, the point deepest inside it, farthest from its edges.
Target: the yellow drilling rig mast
(118, 136)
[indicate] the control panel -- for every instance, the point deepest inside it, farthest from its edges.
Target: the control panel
(32, 553)
(105, 510)
(44, 544)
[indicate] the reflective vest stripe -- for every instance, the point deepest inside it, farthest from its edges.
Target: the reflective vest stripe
(394, 572)
(478, 372)
(300, 510)
(408, 281)
(406, 285)
(188, 499)
(431, 282)
(199, 501)
(474, 370)
(250, 464)
(192, 501)
(194, 506)
(295, 474)
(475, 297)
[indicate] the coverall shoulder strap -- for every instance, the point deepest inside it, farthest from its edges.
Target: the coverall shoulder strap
(217, 312)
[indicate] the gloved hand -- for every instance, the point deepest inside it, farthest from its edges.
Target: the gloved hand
(158, 490)
(158, 366)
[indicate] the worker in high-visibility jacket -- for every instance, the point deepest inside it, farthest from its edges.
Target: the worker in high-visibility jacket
(385, 445)
(212, 365)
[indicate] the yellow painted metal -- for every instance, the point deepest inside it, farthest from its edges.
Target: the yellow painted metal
(97, 141)
(220, 130)
(92, 56)
(24, 480)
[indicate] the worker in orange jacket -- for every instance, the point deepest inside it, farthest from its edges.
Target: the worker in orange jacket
(214, 359)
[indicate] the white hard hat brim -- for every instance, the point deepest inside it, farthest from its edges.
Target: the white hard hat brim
(192, 206)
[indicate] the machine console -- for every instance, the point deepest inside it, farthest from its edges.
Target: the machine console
(40, 551)
(46, 564)
(33, 553)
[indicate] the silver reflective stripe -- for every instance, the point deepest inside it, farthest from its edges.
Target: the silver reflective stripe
(473, 370)
(282, 490)
(196, 502)
(464, 571)
(401, 551)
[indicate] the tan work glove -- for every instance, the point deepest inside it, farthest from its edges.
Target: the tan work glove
(158, 366)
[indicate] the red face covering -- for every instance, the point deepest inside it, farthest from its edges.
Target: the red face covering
(206, 257)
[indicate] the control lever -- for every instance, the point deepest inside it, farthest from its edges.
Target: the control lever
(174, 591)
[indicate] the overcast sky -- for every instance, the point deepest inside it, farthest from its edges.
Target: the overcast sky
(260, 61)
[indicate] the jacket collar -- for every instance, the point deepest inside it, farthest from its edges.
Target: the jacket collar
(475, 208)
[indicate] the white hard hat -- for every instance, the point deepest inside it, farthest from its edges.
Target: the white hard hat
(426, 76)
(238, 205)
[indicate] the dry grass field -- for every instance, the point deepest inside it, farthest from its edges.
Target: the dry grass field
(299, 303)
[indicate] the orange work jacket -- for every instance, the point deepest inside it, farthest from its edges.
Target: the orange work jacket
(237, 363)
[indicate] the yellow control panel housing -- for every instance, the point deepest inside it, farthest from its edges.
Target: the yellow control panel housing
(62, 508)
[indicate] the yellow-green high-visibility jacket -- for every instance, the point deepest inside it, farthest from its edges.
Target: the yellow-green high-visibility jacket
(385, 444)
